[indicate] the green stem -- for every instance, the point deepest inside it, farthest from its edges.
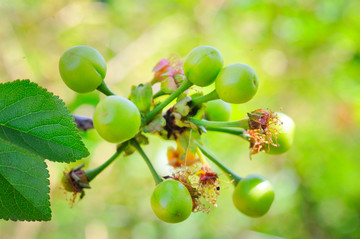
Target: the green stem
(155, 175)
(105, 89)
(149, 116)
(234, 131)
(243, 123)
(205, 98)
(92, 173)
(218, 163)
(160, 93)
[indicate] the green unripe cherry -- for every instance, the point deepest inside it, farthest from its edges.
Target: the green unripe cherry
(253, 195)
(217, 110)
(171, 201)
(82, 68)
(116, 119)
(285, 137)
(237, 83)
(202, 65)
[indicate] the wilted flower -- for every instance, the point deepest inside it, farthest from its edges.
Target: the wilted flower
(75, 181)
(209, 187)
(262, 132)
(203, 185)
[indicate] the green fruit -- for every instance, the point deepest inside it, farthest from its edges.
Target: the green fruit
(202, 65)
(171, 201)
(82, 68)
(217, 110)
(236, 83)
(253, 195)
(285, 137)
(116, 119)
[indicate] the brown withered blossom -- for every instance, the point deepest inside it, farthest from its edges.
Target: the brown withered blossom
(263, 130)
(203, 185)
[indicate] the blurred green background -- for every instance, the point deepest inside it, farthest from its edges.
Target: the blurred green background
(307, 57)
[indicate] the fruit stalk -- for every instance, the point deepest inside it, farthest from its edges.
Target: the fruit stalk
(159, 93)
(218, 163)
(205, 98)
(103, 88)
(91, 174)
(237, 132)
(243, 123)
(149, 116)
(155, 175)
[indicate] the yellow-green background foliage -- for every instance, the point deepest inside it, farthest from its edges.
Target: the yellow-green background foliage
(307, 57)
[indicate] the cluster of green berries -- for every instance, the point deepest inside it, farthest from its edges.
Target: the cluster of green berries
(236, 83)
(118, 120)
(83, 70)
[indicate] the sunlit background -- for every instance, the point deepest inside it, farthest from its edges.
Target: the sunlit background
(307, 56)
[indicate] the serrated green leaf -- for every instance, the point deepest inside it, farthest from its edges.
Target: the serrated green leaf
(24, 187)
(34, 125)
(36, 121)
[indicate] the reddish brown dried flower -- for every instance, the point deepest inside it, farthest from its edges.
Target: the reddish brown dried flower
(262, 132)
(203, 185)
(184, 175)
(75, 181)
